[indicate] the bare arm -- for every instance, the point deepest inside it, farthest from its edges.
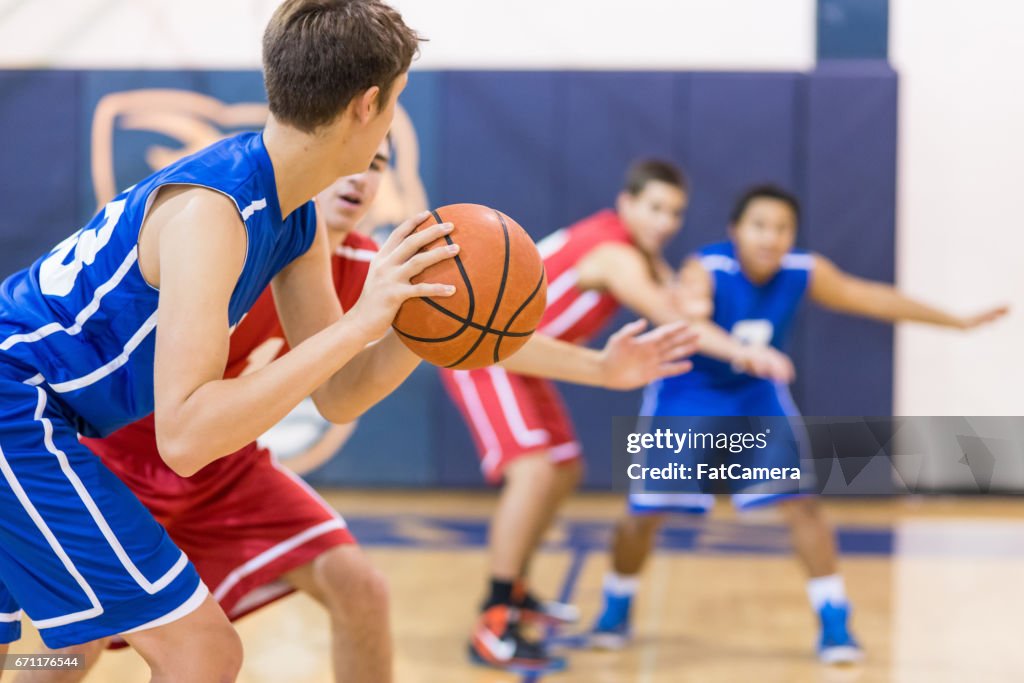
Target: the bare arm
(842, 292)
(696, 298)
(625, 273)
(374, 372)
(199, 415)
(629, 360)
(368, 378)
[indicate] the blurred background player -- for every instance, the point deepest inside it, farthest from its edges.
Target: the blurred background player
(752, 286)
(523, 433)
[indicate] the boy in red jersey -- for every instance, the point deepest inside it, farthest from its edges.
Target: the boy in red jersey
(523, 432)
(254, 530)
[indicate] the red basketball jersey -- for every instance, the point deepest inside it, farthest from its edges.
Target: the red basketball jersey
(259, 338)
(256, 341)
(575, 314)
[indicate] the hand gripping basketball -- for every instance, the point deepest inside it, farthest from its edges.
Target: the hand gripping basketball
(501, 291)
(394, 270)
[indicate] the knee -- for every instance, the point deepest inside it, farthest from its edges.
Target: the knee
(212, 653)
(351, 585)
(642, 525)
(803, 509)
(223, 648)
(571, 471)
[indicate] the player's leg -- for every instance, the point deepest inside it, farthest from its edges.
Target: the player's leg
(812, 536)
(542, 405)
(91, 562)
(10, 621)
(355, 595)
(256, 531)
(88, 653)
(519, 520)
(815, 545)
(201, 646)
(520, 517)
(635, 535)
(514, 448)
(567, 475)
(632, 543)
(534, 490)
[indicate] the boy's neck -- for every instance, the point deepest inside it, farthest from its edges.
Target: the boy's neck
(303, 164)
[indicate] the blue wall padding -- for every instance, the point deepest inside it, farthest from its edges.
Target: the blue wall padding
(39, 165)
(846, 364)
(743, 129)
(422, 100)
(546, 147)
(499, 138)
(610, 119)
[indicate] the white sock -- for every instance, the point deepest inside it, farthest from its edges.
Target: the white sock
(621, 585)
(826, 589)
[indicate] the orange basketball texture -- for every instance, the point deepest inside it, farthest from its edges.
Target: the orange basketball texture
(500, 292)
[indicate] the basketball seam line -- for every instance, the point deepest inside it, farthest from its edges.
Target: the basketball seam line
(475, 326)
(504, 332)
(501, 291)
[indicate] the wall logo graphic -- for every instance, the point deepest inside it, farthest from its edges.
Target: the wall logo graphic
(137, 132)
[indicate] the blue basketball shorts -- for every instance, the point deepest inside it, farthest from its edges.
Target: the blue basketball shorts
(733, 409)
(79, 554)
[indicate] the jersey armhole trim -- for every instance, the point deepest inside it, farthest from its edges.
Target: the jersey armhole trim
(151, 197)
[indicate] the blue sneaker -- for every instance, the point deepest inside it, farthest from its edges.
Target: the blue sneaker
(612, 631)
(836, 645)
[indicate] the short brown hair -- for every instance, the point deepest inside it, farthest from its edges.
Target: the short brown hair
(644, 171)
(319, 54)
(764, 191)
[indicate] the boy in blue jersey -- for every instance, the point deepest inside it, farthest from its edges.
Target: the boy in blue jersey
(193, 246)
(751, 286)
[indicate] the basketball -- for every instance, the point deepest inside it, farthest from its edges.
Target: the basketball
(500, 292)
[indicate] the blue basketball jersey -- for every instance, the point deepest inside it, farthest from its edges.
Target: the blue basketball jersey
(80, 321)
(758, 314)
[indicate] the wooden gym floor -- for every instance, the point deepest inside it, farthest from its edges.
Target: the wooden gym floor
(936, 586)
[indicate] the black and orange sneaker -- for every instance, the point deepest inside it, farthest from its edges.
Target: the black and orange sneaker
(497, 643)
(544, 612)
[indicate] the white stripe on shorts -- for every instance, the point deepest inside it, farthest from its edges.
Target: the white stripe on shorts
(96, 609)
(509, 403)
(183, 610)
(478, 416)
(271, 554)
(150, 587)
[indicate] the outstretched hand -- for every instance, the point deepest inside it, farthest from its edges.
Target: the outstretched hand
(633, 358)
(983, 318)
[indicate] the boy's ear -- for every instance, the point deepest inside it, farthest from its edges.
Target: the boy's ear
(367, 104)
